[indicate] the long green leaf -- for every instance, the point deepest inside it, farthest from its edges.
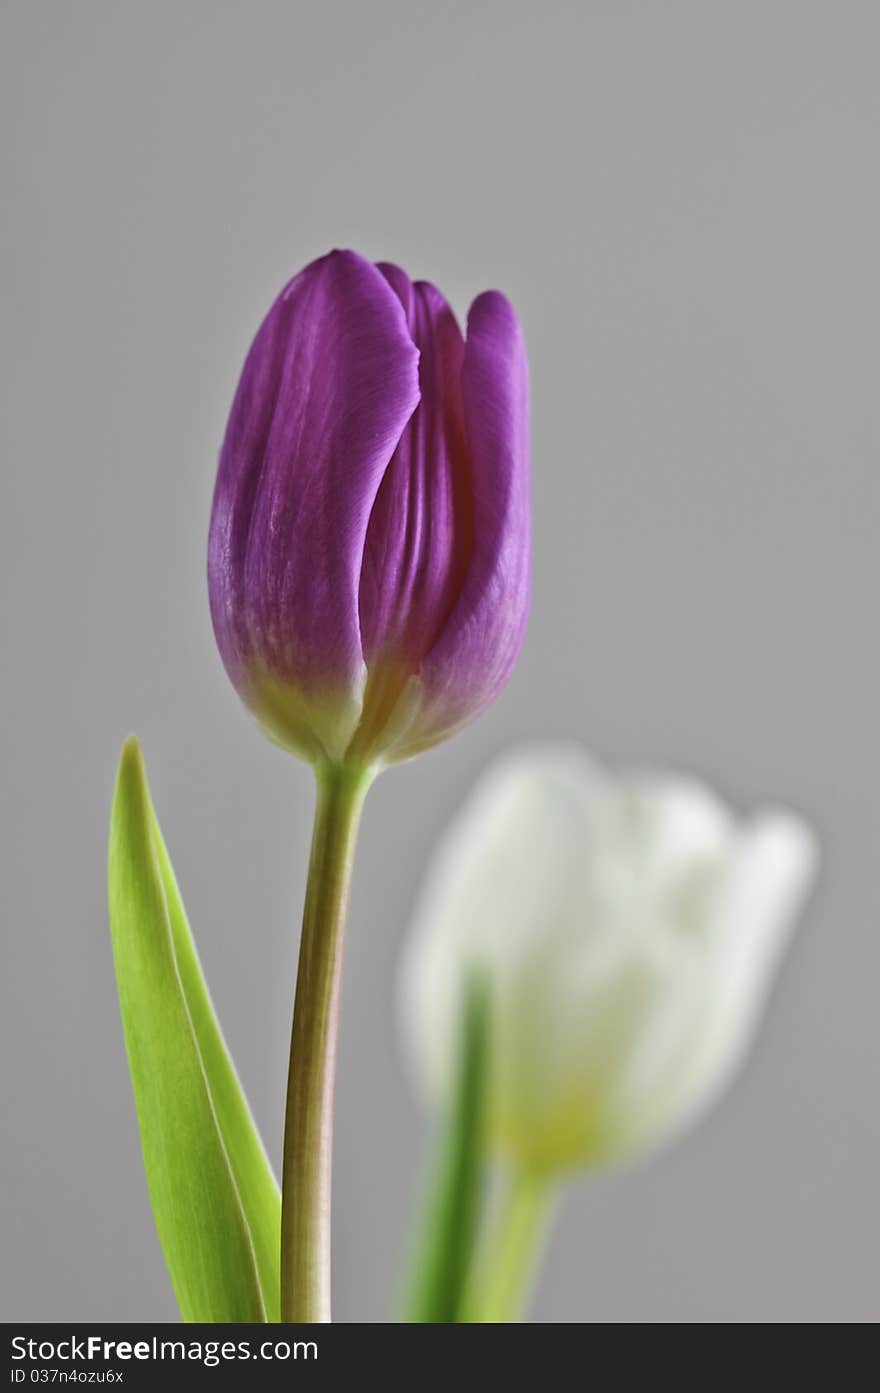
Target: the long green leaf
(444, 1252)
(254, 1178)
(214, 1197)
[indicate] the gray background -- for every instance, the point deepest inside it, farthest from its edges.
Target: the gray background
(682, 200)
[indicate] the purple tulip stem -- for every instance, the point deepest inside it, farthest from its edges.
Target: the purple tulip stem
(308, 1124)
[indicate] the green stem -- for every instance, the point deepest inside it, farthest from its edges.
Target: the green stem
(308, 1122)
(516, 1242)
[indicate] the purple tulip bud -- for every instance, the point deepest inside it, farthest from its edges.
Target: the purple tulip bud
(369, 551)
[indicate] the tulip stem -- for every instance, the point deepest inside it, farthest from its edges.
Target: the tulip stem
(516, 1242)
(308, 1123)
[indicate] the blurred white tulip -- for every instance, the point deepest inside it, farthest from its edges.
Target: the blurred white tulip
(628, 929)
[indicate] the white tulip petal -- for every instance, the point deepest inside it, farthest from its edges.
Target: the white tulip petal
(629, 930)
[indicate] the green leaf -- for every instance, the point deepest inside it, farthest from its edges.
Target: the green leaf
(214, 1197)
(254, 1178)
(444, 1252)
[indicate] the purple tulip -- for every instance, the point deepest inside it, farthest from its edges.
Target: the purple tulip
(369, 551)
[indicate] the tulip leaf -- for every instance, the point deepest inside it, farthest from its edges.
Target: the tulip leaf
(446, 1242)
(215, 1199)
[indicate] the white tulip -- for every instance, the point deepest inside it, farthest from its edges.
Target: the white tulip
(628, 929)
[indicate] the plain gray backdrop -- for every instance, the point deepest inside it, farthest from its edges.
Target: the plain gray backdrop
(682, 201)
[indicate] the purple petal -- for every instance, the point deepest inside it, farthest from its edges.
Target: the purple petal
(419, 536)
(476, 651)
(326, 391)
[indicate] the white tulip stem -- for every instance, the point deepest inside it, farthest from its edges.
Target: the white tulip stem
(516, 1242)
